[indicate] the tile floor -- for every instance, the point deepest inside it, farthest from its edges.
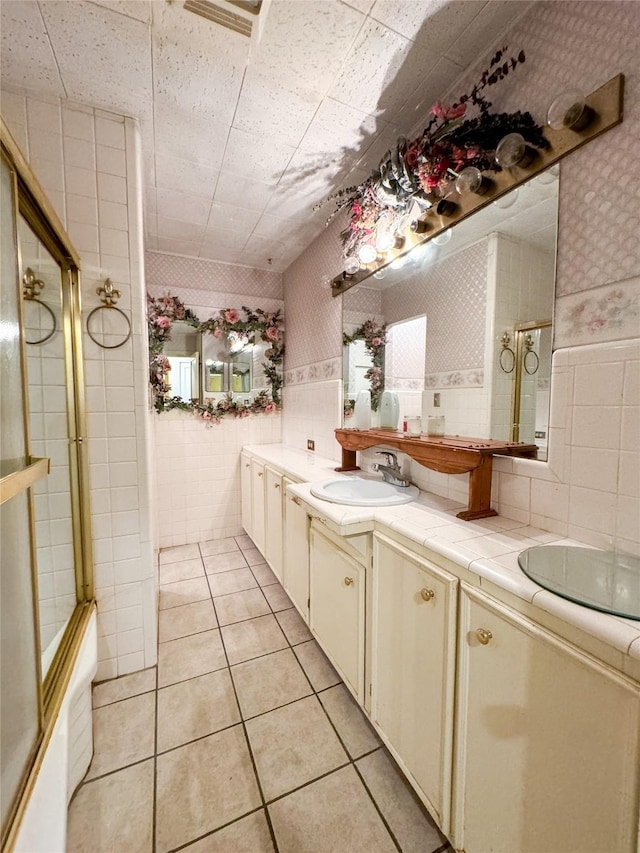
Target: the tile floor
(243, 739)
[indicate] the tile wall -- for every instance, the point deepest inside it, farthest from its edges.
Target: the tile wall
(88, 162)
(597, 288)
(196, 468)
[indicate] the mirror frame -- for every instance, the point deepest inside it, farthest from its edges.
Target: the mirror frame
(163, 311)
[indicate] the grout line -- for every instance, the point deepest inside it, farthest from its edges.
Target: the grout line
(213, 832)
(122, 699)
(246, 736)
(116, 770)
(155, 768)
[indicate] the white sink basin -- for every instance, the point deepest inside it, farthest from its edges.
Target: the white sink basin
(355, 491)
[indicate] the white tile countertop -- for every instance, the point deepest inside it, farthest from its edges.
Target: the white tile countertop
(487, 547)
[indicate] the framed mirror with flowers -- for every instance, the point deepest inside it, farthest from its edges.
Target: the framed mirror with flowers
(228, 365)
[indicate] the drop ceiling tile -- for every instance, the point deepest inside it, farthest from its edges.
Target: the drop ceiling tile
(252, 155)
(188, 136)
(178, 247)
(177, 229)
(230, 217)
(495, 17)
(138, 9)
(219, 238)
(363, 6)
(272, 228)
(243, 192)
(307, 41)
(380, 69)
(104, 57)
(197, 65)
(316, 175)
(380, 145)
(265, 105)
(334, 121)
(286, 203)
(188, 208)
(435, 24)
(220, 253)
(27, 58)
(415, 110)
(186, 176)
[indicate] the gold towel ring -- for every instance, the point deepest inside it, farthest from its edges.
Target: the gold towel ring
(32, 286)
(533, 366)
(109, 296)
(509, 353)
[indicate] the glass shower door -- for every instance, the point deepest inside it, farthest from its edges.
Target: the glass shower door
(20, 677)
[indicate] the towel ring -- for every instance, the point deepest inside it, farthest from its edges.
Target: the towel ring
(30, 293)
(533, 366)
(509, 353)
(109, 296)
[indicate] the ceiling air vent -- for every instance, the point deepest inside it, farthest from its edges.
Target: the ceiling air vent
(221, 14)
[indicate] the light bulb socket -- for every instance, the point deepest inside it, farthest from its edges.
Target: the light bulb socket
(418, 226)
(445, 207)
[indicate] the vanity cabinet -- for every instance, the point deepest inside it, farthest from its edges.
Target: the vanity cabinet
(413, 647)
(546, 751)
(246, 493)
(275, 485)
(336, 616)
(296, 554)
(257, 505)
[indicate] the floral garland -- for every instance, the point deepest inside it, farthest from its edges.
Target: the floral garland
(375, 339)
(164, 311)
(423, 171)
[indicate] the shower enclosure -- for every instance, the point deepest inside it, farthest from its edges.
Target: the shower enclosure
(46, 587)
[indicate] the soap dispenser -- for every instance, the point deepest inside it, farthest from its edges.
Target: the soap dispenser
(389, 410)
(362, 410)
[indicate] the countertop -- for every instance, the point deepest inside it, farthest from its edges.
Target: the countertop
(487, 548)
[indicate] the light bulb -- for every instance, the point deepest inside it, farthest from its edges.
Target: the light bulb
(385, 241)
(507, 200)
(367, 253)
(351, 265)
(380, 274)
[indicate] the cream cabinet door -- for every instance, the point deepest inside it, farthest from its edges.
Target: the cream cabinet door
(546, 757)
(257, 505)
(414, 644)
(273, 520)
(296, 555)
(245, 493)
(337, 588)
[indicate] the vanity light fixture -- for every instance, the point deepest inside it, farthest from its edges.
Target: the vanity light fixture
(445, 207)
(418, 226)
(569, 111)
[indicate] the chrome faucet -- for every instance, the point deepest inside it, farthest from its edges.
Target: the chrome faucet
(391, 472)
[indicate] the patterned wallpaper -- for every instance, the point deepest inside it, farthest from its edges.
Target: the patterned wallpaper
(567, 44)
(313, 314)
(453, 295)
(359, 304)
(175, 272)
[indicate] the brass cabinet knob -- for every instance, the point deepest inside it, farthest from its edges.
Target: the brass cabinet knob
(484, 635)
(348, 581)
(259, 473)
(247, 464)
(277, 485)
(427, 594)
(296, 500)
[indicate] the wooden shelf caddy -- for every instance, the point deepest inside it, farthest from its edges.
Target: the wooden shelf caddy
(448, 455)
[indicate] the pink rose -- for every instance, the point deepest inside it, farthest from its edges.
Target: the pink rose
(245, 413)
(269, 408)
(207, 416)
(272, 333)
(376, 342)
(163, 322)
(217, 333)
(437, 110)
(231, 315)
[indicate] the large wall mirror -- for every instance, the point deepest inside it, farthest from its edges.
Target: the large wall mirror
(467, 321)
